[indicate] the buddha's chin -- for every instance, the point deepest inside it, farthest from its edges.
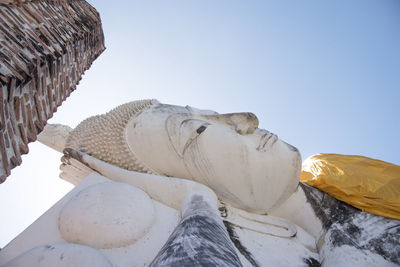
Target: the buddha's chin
(273, 187)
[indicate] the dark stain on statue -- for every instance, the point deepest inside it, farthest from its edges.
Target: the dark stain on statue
(242, 249)
(49, 247)
(198, 241)
(72, 153)
(311, 262)
(341, 221)
(77, 155)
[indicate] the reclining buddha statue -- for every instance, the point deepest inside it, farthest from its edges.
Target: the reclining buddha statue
(203, 188)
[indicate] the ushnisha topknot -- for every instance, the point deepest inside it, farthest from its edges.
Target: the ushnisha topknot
(103, 136)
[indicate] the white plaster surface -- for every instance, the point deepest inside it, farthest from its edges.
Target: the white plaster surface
(54, 136)
(60, 255)
(73, 171)
(148, 146)
(247, 167)
(265, 224)
(170, 191)
(347, 256)
(141, 253)
(297, 210)
(269, 250)
(361, 251)
(107, 215)
(45, 231)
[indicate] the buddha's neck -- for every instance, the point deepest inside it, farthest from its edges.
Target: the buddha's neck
(297, 210)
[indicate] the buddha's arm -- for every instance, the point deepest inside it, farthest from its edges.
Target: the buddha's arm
(169, 190)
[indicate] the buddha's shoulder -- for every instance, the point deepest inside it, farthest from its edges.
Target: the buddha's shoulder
(353, 237)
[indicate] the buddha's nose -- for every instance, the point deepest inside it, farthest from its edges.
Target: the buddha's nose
(243, 122)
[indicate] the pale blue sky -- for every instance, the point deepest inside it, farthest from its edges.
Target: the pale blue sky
(323, 75)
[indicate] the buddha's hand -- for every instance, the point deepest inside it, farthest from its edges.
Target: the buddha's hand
(74, 167)
(78, 159)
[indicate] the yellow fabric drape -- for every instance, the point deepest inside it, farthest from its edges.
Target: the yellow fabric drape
(368, 184)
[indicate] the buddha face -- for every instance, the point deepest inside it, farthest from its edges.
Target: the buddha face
(247, 167)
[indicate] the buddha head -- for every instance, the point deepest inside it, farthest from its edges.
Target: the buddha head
(247, 167)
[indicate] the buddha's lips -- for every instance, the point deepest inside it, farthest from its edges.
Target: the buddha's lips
(267, 139)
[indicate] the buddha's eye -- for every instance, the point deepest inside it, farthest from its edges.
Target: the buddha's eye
(201, 129)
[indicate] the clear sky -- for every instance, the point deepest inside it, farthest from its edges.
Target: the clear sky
(323, 75)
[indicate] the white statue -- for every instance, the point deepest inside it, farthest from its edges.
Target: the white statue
(247, 167)
(229, 189)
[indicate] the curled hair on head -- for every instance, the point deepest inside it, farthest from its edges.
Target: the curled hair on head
(103, 136)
